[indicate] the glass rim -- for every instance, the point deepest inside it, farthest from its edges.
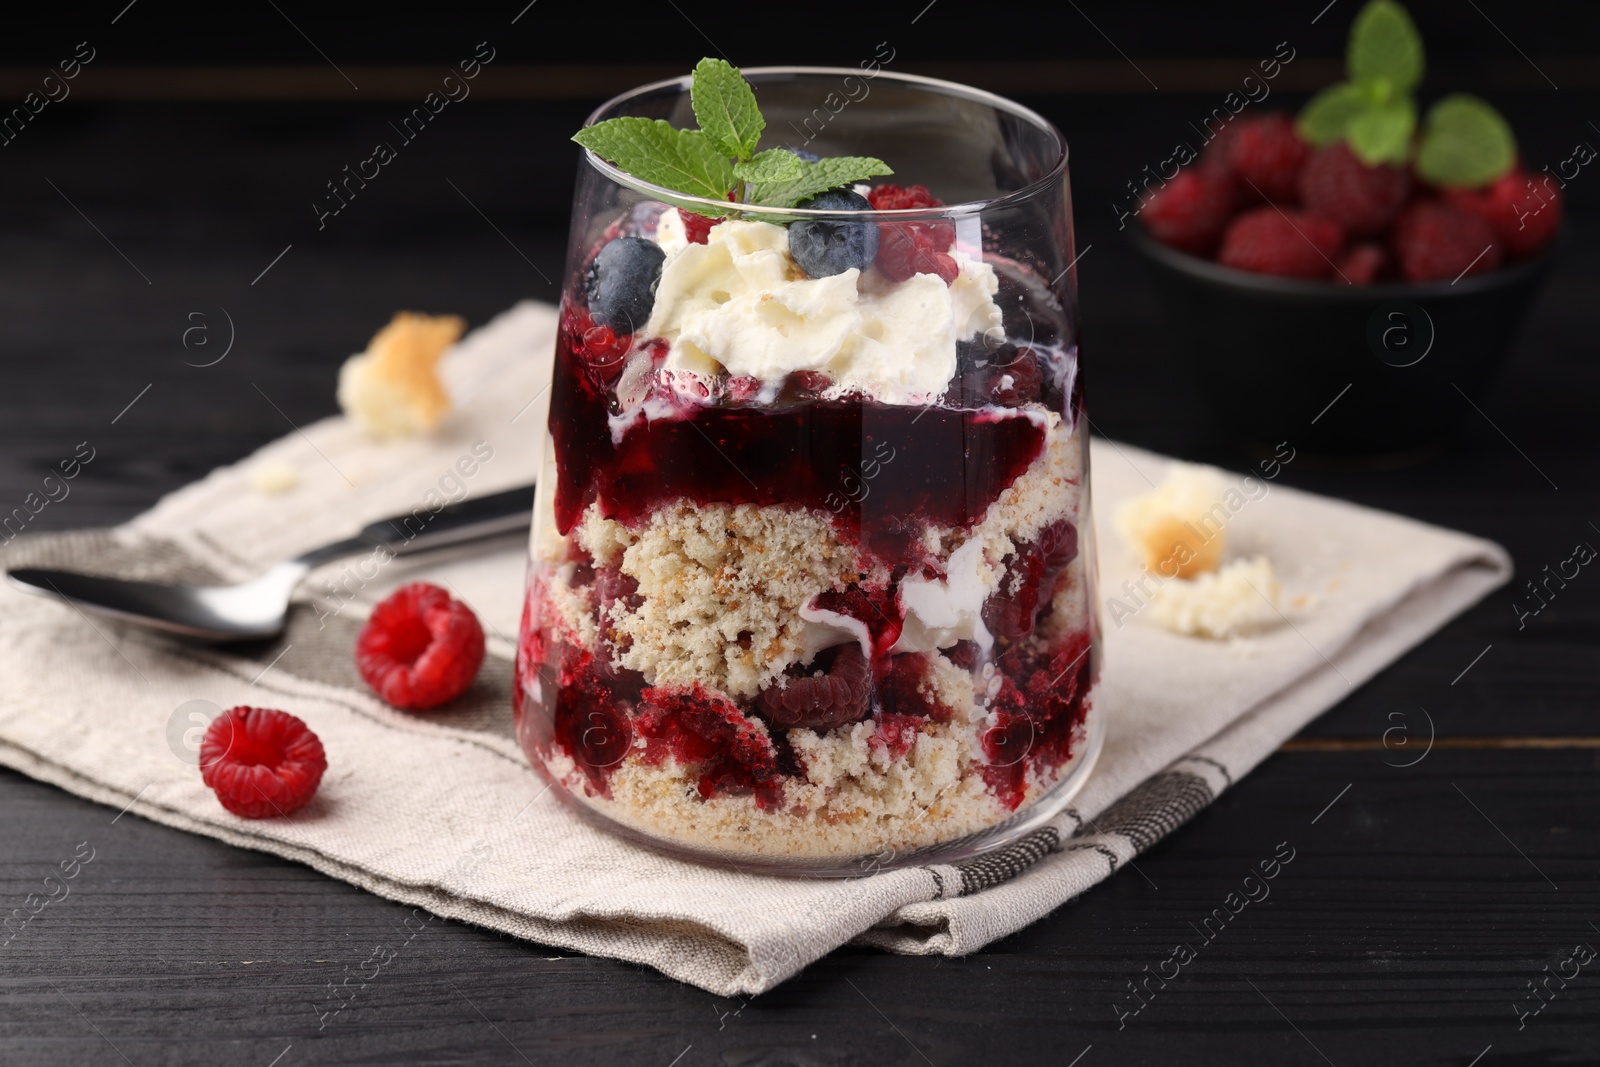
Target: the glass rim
(999, 103)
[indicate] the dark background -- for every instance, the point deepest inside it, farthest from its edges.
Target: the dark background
(188, 156)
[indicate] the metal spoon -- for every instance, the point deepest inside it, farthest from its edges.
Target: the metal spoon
(258, 608)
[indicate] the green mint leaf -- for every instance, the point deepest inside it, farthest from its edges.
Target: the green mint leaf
(681, 160)
(725, 107)
(1465, 142)
(1327, 115)
(1384, 43)
(816, 178)
(774, 165)
(1383, 134)
(1381, 92)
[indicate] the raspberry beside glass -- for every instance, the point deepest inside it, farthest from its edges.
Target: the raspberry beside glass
(811, 577)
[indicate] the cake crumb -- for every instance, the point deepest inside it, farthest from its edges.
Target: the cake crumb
(575, 608)
(1179, 528)
(1047, 491)
(1240, 598)
(721, 590)
(393, 389)
(604, 539)
(274, 476)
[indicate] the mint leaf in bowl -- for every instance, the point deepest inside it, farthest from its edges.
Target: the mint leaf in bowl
(1383, 134)
(1385, 45)
(1465, 143)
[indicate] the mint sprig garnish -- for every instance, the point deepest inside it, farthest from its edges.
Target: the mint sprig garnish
(661, 154)
(773, 165)
(719, 160)
(1464, 141)
(818, 177)
(725, 107)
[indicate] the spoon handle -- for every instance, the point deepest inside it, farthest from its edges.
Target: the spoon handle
(473, 519)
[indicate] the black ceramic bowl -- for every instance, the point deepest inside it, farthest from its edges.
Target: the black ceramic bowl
(1337, 369)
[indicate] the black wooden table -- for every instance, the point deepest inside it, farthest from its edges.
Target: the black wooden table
(1423, 900)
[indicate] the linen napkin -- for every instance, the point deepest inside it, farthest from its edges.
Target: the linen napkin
(442, 810)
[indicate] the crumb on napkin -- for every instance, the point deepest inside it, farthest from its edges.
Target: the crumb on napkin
(1240, 598)
(1179, 532)
(274, 476)
(1179, 528)
(393, 389)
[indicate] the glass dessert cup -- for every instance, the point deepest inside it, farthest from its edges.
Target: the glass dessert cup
(811, 585)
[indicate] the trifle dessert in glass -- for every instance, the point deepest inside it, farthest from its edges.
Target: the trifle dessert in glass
(811, 580)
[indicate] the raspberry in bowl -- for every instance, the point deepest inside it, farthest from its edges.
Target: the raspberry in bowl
(1326, 256)
(811, 578)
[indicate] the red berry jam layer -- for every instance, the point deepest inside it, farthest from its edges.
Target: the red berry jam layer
(946, 467)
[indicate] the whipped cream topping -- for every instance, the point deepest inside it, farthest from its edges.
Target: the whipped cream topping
(739, 303)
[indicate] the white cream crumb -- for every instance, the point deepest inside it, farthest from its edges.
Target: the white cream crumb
(1240, 598)
(274, 476)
